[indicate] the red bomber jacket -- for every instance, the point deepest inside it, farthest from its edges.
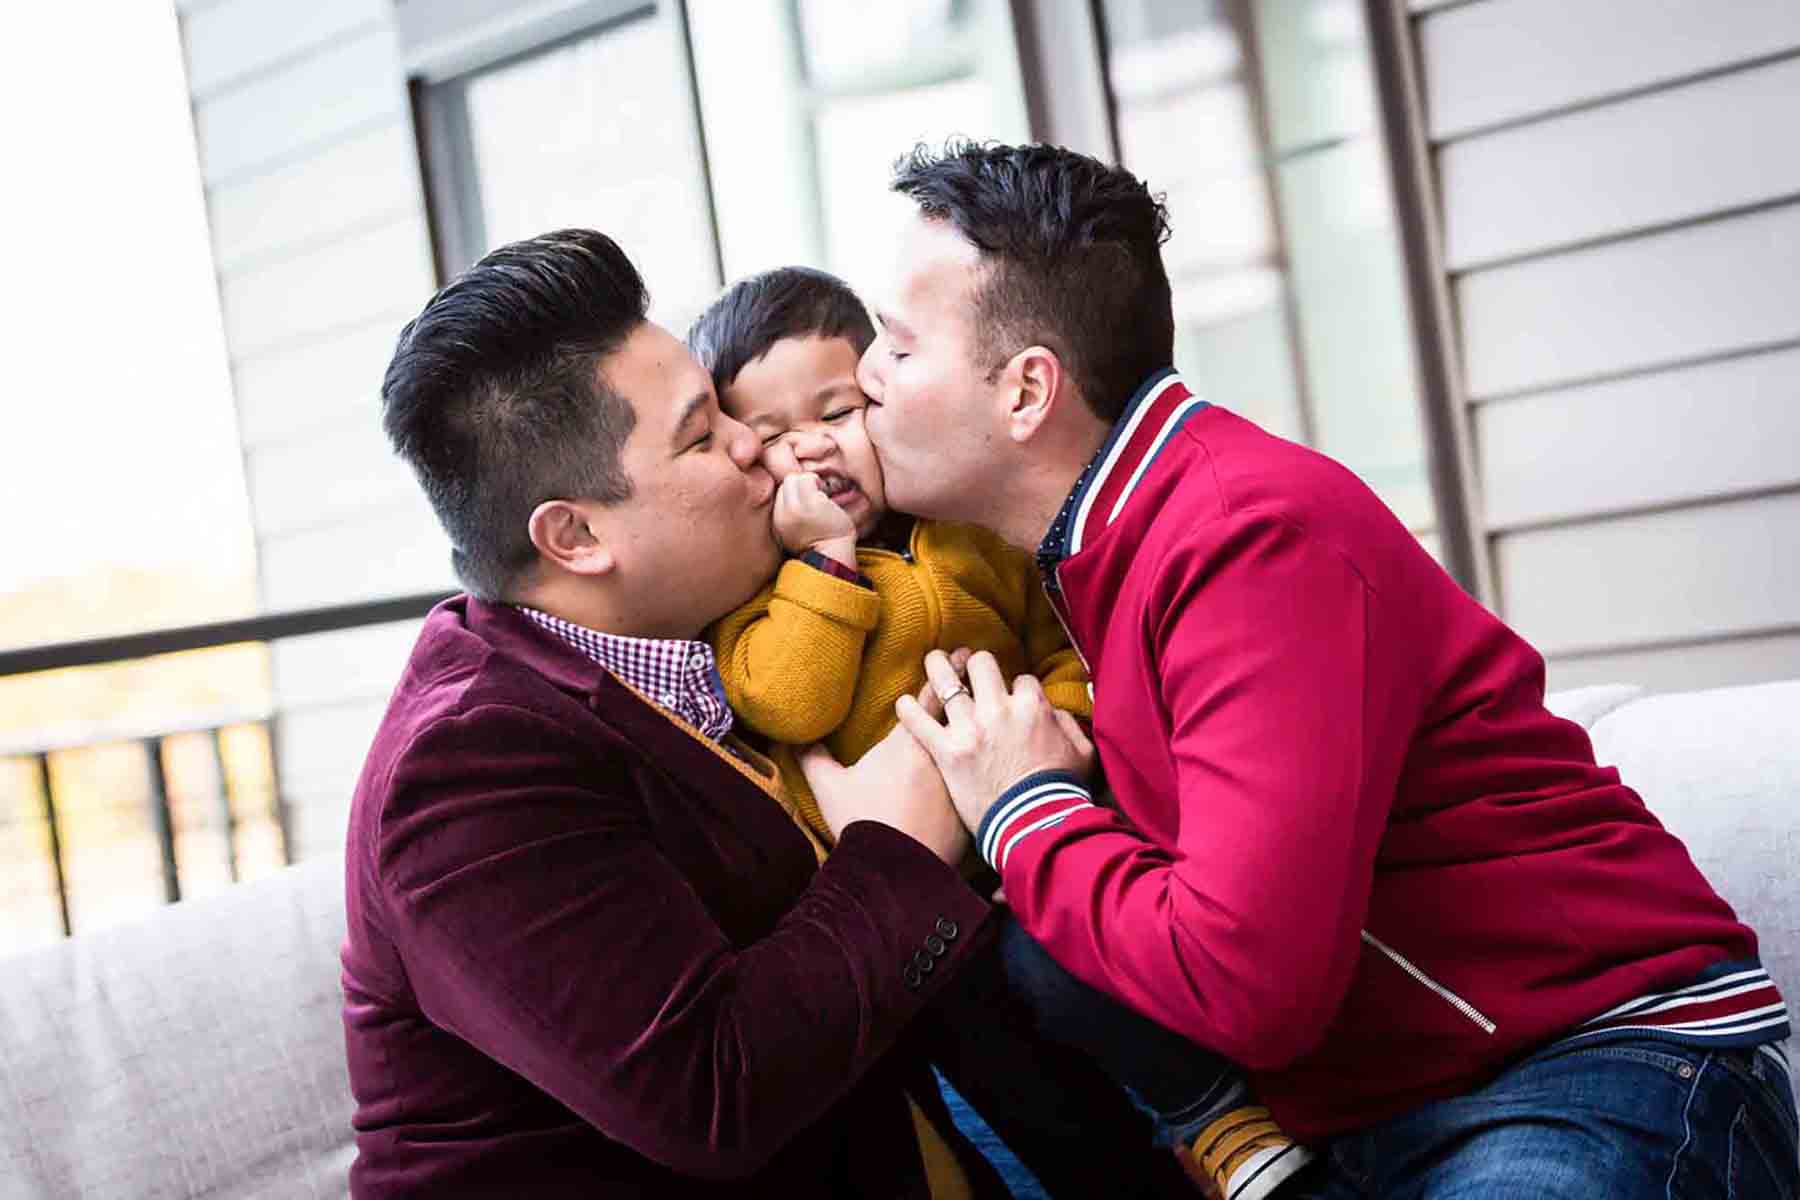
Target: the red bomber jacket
(1352, 850)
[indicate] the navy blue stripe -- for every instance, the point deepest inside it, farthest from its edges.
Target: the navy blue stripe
(997, 811)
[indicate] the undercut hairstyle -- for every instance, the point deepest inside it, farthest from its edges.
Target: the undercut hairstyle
(789, 302)
(496, 400)
(1071, 255)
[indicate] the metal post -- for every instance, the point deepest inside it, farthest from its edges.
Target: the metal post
(227, 809)
(284, 819)
(1446, 414)
(56, 849)
(162, 819)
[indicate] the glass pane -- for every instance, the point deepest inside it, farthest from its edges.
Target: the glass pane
(759, 143)
(1355, 331)
(122, 499)
(844, 42)
(599, 133)
(804, 122)
(1316, 68)
(1246, 364)
(1187, 122)
(858, 141)
(1301, 323)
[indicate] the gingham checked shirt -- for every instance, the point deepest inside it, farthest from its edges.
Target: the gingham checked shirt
(680, 675)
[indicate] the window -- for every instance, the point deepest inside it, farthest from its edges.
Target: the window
(1259, 121)
(717, 138)
(596, 131)
(807, 105)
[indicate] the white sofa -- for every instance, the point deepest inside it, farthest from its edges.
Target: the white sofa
(199, 1053)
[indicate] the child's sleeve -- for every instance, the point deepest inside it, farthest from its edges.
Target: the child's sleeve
(1053, 659)
(791, 656)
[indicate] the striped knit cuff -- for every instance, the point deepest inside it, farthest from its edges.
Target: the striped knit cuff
(1036, 802)
(832, 567)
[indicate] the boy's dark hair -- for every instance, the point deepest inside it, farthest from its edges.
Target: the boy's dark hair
(755, 313)
(494, 395)
(1072, 250)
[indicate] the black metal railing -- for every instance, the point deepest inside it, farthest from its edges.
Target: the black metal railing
(157, 739)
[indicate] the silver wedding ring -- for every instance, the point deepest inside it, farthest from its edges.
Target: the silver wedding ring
(953, 693)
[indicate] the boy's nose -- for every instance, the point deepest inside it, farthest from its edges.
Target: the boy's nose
(812, 444)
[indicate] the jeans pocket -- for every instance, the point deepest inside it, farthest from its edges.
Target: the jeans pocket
(1763, 1164)
(1764, 1077)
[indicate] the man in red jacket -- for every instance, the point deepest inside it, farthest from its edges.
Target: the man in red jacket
(1347, 848)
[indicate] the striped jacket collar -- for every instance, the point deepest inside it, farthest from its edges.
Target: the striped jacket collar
(1161, 405)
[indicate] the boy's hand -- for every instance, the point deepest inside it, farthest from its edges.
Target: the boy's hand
(807, 519)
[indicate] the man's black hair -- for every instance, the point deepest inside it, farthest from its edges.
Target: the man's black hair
(755, 313)
(1071, 250)
(495, 397)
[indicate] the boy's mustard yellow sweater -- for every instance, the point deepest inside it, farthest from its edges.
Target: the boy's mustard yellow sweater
(817, 658)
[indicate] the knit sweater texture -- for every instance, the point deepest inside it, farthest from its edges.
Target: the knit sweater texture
(814, 658)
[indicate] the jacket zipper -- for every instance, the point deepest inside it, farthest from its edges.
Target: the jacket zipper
(1405, 964)
(1055, 593)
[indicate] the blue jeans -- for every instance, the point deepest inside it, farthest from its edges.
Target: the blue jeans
(1625, 1120)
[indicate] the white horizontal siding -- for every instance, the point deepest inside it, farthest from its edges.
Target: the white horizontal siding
(1722, 143)
(327, 476)
(1680, 575)
(1503, 60)
(1707, 431)
(236, 38)
(327, 669)
(364, 180)
(1707, 289)
(389, 553)
(381, 272)
(276, 117)
(337, 378)
(1686, 668)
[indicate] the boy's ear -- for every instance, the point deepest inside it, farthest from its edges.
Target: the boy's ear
(564, 532)
(1033, 380)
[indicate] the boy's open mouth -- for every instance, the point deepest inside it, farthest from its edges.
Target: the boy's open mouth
(838, 488)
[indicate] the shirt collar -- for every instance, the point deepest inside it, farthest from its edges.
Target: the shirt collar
(1162, 404)
(681, 676)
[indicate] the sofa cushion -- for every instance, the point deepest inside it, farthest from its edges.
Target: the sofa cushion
(1586, 705)
(197, 1053)
(1721, 769)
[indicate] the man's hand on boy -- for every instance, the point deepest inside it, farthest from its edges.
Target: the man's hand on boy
(895, 784)
(992, 735)
(807, 519)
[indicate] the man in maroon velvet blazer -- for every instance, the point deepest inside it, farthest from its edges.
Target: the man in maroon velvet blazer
(588, 950)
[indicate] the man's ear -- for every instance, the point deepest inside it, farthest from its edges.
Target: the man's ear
(563, 532)
(1034, 379)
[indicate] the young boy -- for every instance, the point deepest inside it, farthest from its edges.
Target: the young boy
(841, 632)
